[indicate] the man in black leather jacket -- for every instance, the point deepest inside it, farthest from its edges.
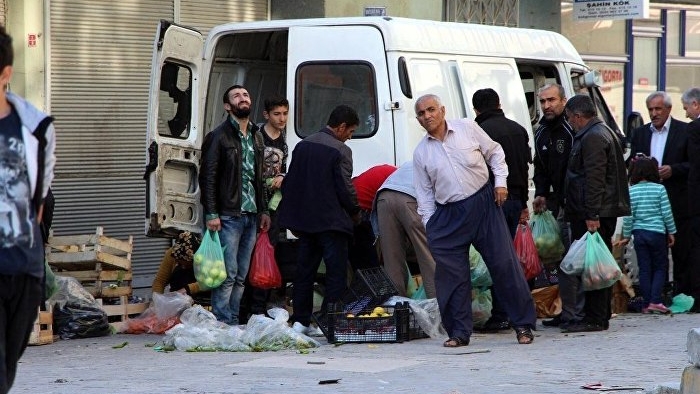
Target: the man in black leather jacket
(596, 194)
(231, 184)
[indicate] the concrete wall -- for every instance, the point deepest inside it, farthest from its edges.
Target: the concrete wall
(426, 9)
(25, 17)
(540, 14)
(298, 9)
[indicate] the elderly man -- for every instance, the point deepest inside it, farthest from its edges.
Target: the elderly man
(691, 277)
(459, 206)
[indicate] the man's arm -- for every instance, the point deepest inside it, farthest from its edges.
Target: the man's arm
(208, 176)
(595, 161)
(425, 195)
(493, 154)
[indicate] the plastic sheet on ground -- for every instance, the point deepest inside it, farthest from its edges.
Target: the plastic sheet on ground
(200, 331)
(426, 313)
(163, 313)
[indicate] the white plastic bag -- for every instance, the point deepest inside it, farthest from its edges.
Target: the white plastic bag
(572, 264)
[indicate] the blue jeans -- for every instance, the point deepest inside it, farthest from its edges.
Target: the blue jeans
(332, 247)
(652, 259)
(238, 239)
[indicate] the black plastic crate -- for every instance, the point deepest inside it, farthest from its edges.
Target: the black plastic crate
(369, 288)
(341, 327)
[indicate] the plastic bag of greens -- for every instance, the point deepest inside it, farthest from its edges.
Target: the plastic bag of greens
(51, 285)
(481, 306)
(265, 334)
(209, 267)
(572, 264)
(600, 270)
(479, 272)
(547, 236)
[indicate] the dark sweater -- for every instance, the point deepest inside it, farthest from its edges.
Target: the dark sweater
(513, 139)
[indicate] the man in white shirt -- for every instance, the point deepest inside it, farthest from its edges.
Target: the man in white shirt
(459, 206)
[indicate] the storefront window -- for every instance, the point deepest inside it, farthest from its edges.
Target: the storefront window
(603, 37)
(692, 33)
(613, 88)
(680, 77)
(673, 41)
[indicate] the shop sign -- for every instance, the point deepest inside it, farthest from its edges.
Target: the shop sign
(585, 10)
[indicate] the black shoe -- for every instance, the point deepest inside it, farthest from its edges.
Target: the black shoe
(583, 327)
(493, 325)
(553, 322)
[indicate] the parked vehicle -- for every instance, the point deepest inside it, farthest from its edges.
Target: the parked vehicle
(379, 66)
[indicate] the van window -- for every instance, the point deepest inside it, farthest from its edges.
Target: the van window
(533, 77)
(320, 87)
(174, 101)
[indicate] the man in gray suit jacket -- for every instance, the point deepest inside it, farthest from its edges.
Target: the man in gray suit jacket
(666, 139)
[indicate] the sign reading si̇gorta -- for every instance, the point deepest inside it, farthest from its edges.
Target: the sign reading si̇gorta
(585, 10)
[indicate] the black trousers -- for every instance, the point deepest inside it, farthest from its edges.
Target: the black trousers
(20, 297)
(597, 309)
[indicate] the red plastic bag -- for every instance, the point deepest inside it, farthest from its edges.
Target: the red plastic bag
(264, 273)
(527, 252)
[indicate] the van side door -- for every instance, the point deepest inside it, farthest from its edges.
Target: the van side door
(173, 134)
(333, 65)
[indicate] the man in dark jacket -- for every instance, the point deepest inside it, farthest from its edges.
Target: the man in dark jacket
(553, 140)
(233, 197)
(319, 207)
(666, 140)
(596, 195)
(691, 283)
(513, 139)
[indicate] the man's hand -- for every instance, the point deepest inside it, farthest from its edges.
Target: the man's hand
(665, 171)
(524, 216)
(539, 204)
(264, 222)
(501, 195)
(277, 182)
(621, 242)
(671, 240)
(214, 224)
(593, 225)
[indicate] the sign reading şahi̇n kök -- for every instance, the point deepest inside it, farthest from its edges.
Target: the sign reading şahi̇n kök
(585, 10)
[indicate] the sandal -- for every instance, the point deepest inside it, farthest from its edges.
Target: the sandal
(524, 335)
(456, 342)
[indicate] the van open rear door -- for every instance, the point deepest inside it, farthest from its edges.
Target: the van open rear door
(174, 140)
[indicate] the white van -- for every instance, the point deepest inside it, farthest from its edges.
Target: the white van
(379, 66)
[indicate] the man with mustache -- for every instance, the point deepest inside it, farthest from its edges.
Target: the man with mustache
(666, 140)
(233, 197)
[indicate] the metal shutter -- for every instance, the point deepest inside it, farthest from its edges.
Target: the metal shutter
(205, 14)
(100, 59)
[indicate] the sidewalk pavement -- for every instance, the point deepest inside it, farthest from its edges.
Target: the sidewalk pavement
(638, 350)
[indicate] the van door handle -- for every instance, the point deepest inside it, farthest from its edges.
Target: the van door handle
(392, 106)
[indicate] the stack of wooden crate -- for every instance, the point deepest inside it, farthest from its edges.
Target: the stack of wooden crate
(101, 264)
(42, 333)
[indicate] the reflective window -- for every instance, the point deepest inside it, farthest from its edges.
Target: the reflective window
(673, 41)
(320, 87)
(680, 77)
(613, 89)
(174, 101)
(692, 33)
(602, 37)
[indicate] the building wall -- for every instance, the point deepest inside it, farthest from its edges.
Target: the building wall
(24, 18)
(426, 9)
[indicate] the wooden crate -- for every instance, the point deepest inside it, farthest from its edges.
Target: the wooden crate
(101, 283)
(124, 310)
(42, 333)
(100, 263)
(84, 252)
